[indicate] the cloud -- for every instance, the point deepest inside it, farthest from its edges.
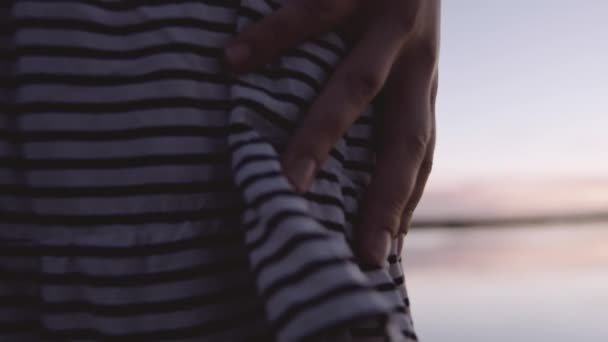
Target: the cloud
(513, 198)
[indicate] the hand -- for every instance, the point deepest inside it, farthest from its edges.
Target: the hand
(395, 50)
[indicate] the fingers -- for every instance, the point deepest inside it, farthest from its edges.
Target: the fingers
(404, 156)
(425, 168)
(350, 90)
(422, 178)
(393, 183)
(292, 24)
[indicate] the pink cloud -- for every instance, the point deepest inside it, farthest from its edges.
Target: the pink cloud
(513, 198)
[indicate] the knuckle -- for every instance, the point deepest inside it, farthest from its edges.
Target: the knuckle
(416, 144)
(415, 21)
(427, 52)
(404, 15)
(362, 86)
(409, 209)
(426, 167)
(405, 22)
(321, 10)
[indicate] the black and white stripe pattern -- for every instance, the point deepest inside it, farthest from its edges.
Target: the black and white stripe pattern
(141, 197)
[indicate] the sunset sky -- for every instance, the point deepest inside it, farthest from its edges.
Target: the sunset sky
(522, 109)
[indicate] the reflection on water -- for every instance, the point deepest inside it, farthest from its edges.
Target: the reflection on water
(519, 284)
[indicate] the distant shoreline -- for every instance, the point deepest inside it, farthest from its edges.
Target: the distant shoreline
(513, 222)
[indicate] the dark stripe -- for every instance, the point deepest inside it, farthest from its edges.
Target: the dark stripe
(256, 177)
(137, 4)
(323, 174)
(113, 29)
(174, 74)
(218, 132)
(286, 248)
(378, 330)
(350, 191)
(279, 218)
(325, 199)
(300, 274)
(149, 104)
(234, 322)
(240, 291)
(152, 189)
(360, 166)
(273, 225)
(329, 295)
(368, 268)
(400, 309)
(107, 107)
(333, 226)
(409, 334)
(113, 163)
(254, 158)
(267, 113)
(385, 287)
(311, 57)
(347, 325)
(280, 72)
(337, 155)
(84, 52)
(365, 143)
(235, 146)
(232, 238)
(328, 176)
(209, 269)
(17, 327)
(105, 80)
(352, 217)
(258, 200)
(119, 219)
(21, 51)
(284, 97)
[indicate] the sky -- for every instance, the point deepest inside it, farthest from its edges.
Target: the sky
(522, 110)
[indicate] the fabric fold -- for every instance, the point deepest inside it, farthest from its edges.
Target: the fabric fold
(305, 273)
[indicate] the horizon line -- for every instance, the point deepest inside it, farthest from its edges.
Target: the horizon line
(543, 220)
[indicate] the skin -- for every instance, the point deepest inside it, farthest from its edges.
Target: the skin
(395, 53)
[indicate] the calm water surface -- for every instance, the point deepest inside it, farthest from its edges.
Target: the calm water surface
(501, 284)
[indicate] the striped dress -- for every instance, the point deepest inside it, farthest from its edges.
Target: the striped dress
(141, 194)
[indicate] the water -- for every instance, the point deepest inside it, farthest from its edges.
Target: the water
(517, 284)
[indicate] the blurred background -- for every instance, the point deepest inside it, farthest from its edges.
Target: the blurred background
(511, 239)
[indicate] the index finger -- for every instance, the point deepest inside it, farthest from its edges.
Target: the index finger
(356, 81)
(290, 25)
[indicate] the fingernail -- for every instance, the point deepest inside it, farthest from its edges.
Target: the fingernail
(237, 53)
(301, 172)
